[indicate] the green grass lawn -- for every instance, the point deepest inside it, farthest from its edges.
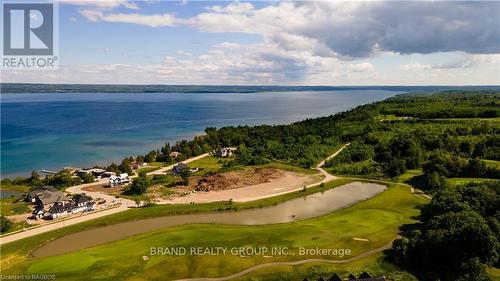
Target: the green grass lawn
(212, 164)
(153, 166)
(292, 168)
(492, 163)
(18, 251)
(377, 219)
(365, 169)
(494, 273)
(209, 164)
(460, 181)
(408, 175)
(375, 264)
(11, 206)
(391, 117)
(9, 186)
(494, 119)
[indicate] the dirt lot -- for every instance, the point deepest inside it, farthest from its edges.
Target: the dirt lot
(232, 180)
(242, 185)
(105, 188)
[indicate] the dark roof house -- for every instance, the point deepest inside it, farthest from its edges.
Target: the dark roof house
(363, 277)
(39, 189)
(59, 208)
(179, 167)
(335, 277)
(45, 195)
(81, 199)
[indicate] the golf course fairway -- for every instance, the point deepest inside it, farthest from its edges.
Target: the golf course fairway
(359, 228)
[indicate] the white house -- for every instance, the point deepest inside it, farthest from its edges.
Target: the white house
(225, 151)
(119, 180)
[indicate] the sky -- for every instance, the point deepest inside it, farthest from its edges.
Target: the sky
(275, 43)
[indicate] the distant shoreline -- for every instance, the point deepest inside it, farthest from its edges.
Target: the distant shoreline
(101, 120)
(12, 88)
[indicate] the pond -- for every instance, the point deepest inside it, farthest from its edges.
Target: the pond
(10, 193)
(310, 206)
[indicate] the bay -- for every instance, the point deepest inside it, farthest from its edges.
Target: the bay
(54, 130)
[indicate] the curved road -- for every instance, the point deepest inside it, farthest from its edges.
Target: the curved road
(299, 262)
(122, 205)
(328, 176)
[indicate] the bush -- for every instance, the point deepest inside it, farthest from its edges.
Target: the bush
(5, 224)
(139, 186)
(88, 178)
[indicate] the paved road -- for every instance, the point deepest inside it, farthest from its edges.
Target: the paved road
(327, 177)
(123, 204)
(109, 198)
(59, 224)
(271, 264)
(164, 169)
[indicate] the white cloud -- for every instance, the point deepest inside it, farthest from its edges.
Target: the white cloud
(361, 67)
(183, 53)
(351, 29)
(416, 66)
(233, 8)
(228, 45)
(102, 4)
(157, 20)
(460, 62)
(320, 42)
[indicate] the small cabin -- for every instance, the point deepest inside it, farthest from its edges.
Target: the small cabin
(179, 168)
(225, 151)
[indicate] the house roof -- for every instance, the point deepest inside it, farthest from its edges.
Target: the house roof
(180, 166)
(47, 195)
(364, 275)
(39, 189)
(81, 198)
(335, 277)
(59, 207)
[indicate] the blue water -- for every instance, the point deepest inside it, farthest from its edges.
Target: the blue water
(51, 131)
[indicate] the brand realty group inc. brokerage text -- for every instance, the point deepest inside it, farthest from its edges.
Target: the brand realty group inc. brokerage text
(247, 251)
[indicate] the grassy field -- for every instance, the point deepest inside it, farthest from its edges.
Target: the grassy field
(408, 175)
(392, 117)
(492, 163)
(460, 181)
(18, 251)
(356, 169)
(375, 264)
(209, 164)
(292, 168)
(494, 119)
(377, 219)
(20, 188)
(11, 206)
(153, 166)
